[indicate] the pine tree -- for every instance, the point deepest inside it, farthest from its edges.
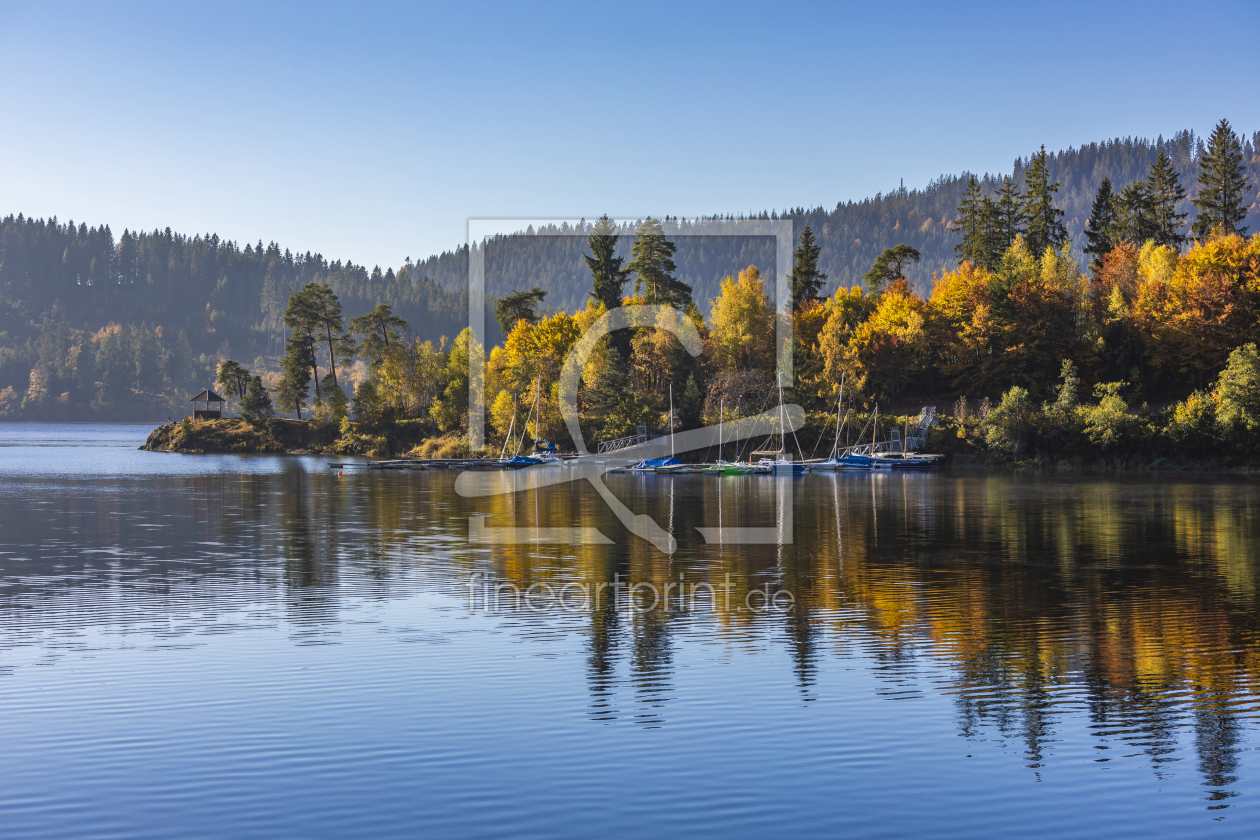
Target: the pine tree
(806, 280)
(234, 378)
(605, 266)
(302, 339)
(654, 268)
(1101, 230)
(1222, 185)
(378, 331)
(1045, 227)
(888, 266)
(1164, 192)
(518, 306)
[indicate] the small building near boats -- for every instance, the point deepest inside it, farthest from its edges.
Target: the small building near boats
(213, 405)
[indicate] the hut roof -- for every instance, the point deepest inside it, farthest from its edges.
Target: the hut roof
(207, 396)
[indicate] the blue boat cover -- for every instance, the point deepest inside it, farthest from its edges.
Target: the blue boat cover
(658, 462)
(521, 461)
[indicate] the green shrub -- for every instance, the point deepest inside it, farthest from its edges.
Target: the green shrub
(1238, 391)
(1110, 423)
(1010, 424)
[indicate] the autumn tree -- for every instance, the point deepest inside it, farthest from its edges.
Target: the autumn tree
(742, 321)
(891, 345)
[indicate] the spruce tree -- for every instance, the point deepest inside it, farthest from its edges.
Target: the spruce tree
(1101, 230)
(295, 378)
(256, 403)
(1008, 218)
(1045, 227)
(1164, 193)
(1222, 185)
(1134, 219)
(975, 221)
(605, 266)
(654, 267)
(806, 280)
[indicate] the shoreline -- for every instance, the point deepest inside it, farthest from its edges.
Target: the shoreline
(284, 436)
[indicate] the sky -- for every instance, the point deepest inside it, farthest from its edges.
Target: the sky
(373, 132)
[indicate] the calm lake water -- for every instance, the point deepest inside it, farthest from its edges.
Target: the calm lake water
(256, 646)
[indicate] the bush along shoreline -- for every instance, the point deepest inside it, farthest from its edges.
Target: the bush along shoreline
(1215, 429)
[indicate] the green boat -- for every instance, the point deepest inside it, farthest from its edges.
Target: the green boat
(725, 468)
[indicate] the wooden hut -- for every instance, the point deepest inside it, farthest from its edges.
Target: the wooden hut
(213, 403)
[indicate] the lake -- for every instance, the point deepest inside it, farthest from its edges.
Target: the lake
(258, 647)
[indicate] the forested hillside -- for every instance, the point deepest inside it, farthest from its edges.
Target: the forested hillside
(852, 234)
(98, 326)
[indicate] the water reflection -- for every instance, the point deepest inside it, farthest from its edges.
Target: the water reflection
(1027, 600)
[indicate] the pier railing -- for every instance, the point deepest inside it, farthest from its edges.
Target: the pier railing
(626, 442)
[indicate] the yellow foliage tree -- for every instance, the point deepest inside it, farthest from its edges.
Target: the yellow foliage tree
(891, 345)
(742, 322)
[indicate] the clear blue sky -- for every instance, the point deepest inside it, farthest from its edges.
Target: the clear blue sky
(374, 131)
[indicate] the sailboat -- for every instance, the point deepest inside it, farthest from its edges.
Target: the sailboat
(781, 465)
(518, 461)
(847, 460)
(662, 465)
(725, 467)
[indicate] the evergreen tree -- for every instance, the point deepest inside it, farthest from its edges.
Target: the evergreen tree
(1101, 230)
(256, 403)
(296, 372)
(977, 220)
(806, 280)
(654, 268)
(1135, 221)
(1008, 217)
(610, 387)
(233, 377)
(377, 331)
(1164, 193)
(605, 266)
(325, 310)
(1222, 185)
(888, 266)
(518, 306)
(1045, 226)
